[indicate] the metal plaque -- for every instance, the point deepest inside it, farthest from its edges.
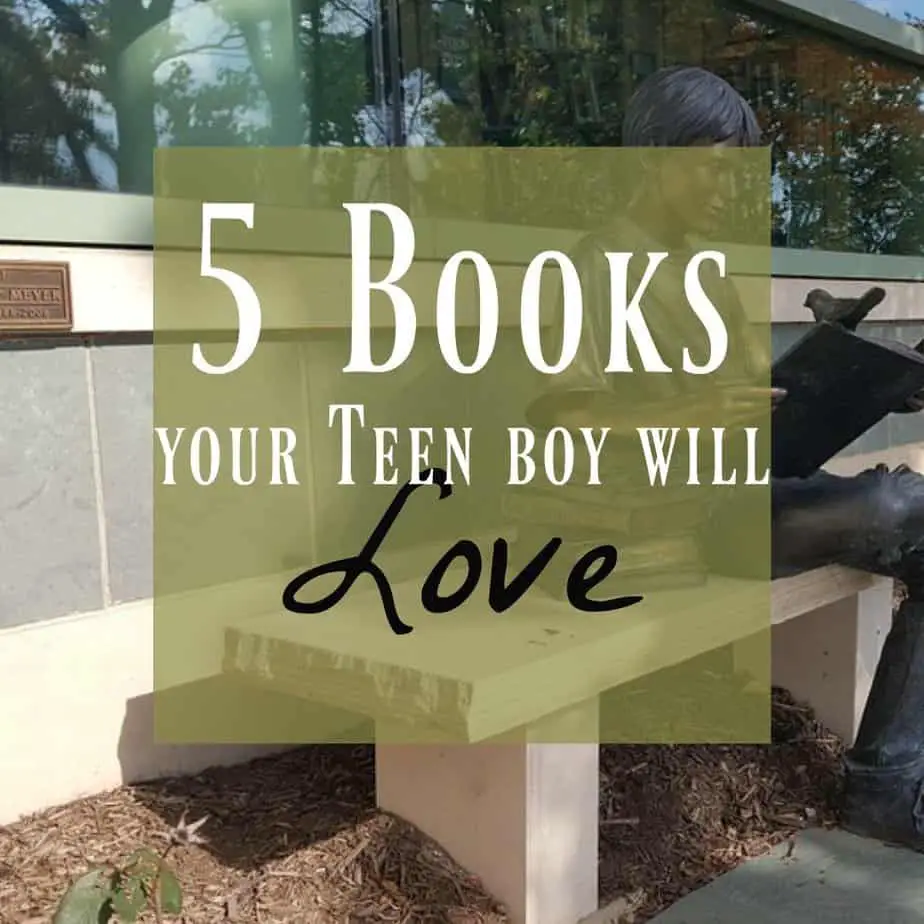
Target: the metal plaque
(35, 297)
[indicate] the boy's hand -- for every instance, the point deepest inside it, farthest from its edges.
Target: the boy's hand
(914, 404)
(739, 404)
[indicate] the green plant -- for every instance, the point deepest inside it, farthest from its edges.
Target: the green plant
(121, 891)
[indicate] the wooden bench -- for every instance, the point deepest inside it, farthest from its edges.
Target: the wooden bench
(511, 805)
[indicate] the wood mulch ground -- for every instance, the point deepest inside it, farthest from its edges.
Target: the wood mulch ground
(675, 818)
(296, 839)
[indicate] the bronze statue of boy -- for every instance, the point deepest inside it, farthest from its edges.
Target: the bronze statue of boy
(873, 521)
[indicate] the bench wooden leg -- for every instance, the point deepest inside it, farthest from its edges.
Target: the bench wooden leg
(522, 816)
(752, 657)
(828, 657)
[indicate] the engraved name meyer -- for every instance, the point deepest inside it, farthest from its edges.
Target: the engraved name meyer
(35, 296)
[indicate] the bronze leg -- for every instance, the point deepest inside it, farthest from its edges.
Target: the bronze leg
(873, 522)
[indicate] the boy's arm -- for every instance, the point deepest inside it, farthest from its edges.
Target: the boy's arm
(584, 395)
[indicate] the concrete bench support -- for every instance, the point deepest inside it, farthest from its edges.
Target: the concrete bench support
(829, 629)
(828, 656)
(523, 816)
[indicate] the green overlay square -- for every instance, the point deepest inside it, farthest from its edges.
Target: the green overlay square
(251, 489)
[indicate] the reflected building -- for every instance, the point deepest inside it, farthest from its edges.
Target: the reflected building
(88, 89)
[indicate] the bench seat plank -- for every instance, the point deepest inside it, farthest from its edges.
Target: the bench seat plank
(803, 593)
(479, 674)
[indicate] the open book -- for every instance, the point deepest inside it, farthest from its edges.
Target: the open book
(839, 385)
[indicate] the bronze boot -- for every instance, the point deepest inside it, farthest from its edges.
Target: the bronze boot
(884, 770)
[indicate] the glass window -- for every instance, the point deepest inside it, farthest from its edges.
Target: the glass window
(846, 125)
(897, 9)
(88, 88)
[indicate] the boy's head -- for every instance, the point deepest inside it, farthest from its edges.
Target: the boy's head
(688, 107)
(683, 107)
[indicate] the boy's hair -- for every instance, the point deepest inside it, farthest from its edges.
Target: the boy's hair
(683, 106)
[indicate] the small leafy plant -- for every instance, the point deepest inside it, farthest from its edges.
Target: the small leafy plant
(122, 891)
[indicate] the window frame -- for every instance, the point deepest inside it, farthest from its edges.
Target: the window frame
(92, 218)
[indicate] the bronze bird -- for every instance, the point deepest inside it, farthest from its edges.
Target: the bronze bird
(848, 312)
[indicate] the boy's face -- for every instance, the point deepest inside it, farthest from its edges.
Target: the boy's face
(701, 192)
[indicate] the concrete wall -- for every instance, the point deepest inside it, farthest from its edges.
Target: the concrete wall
(75, 477)
(76, 460)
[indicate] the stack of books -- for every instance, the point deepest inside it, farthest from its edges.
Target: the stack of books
(655, 531)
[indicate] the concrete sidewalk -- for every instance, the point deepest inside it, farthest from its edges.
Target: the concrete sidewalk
(829, 877)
